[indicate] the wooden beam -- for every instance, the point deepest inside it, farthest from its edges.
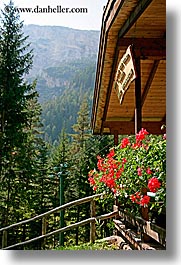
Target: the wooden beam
(138, 114)
(149, 81)
(101, 56)
(152, 230)
(145, 48)
(137, 12)
(128, 235)
(115, 137)
(111, 5)
(113, 70)
(113, 11)
(128, 127)
(148, 54)
(164, 118)
(143, 43)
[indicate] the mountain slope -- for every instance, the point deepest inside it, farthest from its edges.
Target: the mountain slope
(53, 45)
(61, 111)
(64, 66)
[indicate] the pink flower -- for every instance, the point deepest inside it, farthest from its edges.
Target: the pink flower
(165, 136)
(148, 171)
(139, 171)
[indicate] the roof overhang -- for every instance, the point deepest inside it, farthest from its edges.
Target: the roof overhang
(142, 24)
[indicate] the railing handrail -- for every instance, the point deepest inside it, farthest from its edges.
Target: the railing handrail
(63, 229)
(62, 207)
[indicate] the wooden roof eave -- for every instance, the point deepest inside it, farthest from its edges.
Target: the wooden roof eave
(108, 19)
(109, 15)
(117, 34)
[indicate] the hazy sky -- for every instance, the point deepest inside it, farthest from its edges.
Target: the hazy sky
(90, 20)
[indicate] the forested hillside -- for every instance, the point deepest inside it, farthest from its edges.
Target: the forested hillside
(45, 127)
(64, 66)
(61, 111)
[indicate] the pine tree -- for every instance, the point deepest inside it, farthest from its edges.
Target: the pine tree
(20, 144)
(82, 127)
(78, 172)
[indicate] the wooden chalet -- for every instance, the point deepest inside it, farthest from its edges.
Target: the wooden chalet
(130, 89)
(130, 85)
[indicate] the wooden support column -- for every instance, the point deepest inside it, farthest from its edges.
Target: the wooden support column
(138, 115)
(44, 228)
(93, 223)
(5, 239)
(115, 138)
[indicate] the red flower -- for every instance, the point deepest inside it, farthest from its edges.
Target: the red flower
(94, 188)
(100, 163)
(92, 181)
(137, 194)
(165, 136)
(145, 200)
(139, 171)
(114, 191)
(148, 171)
(124, 160)
(141, 135)
(124, 142)
(91, 172)
(111, 153)
(135, 197)
(154, 184)
(110, 183)
(119, 172)
(136, 145)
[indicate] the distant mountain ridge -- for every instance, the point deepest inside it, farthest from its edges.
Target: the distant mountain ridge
(64, 65)
(53, 45)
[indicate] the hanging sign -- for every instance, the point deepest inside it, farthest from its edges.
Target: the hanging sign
(126, 73)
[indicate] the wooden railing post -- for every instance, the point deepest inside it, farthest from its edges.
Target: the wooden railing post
(44, 228)
(5, 239)
(44, 234)
(93, 223)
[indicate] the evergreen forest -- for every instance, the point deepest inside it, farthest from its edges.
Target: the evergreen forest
(43, 136)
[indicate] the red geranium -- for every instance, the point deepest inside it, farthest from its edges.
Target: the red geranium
(111, 153)
(135, 197)
(141, 135)
(124, 142)
(154, 184)
(145, 200)
(91, 180)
